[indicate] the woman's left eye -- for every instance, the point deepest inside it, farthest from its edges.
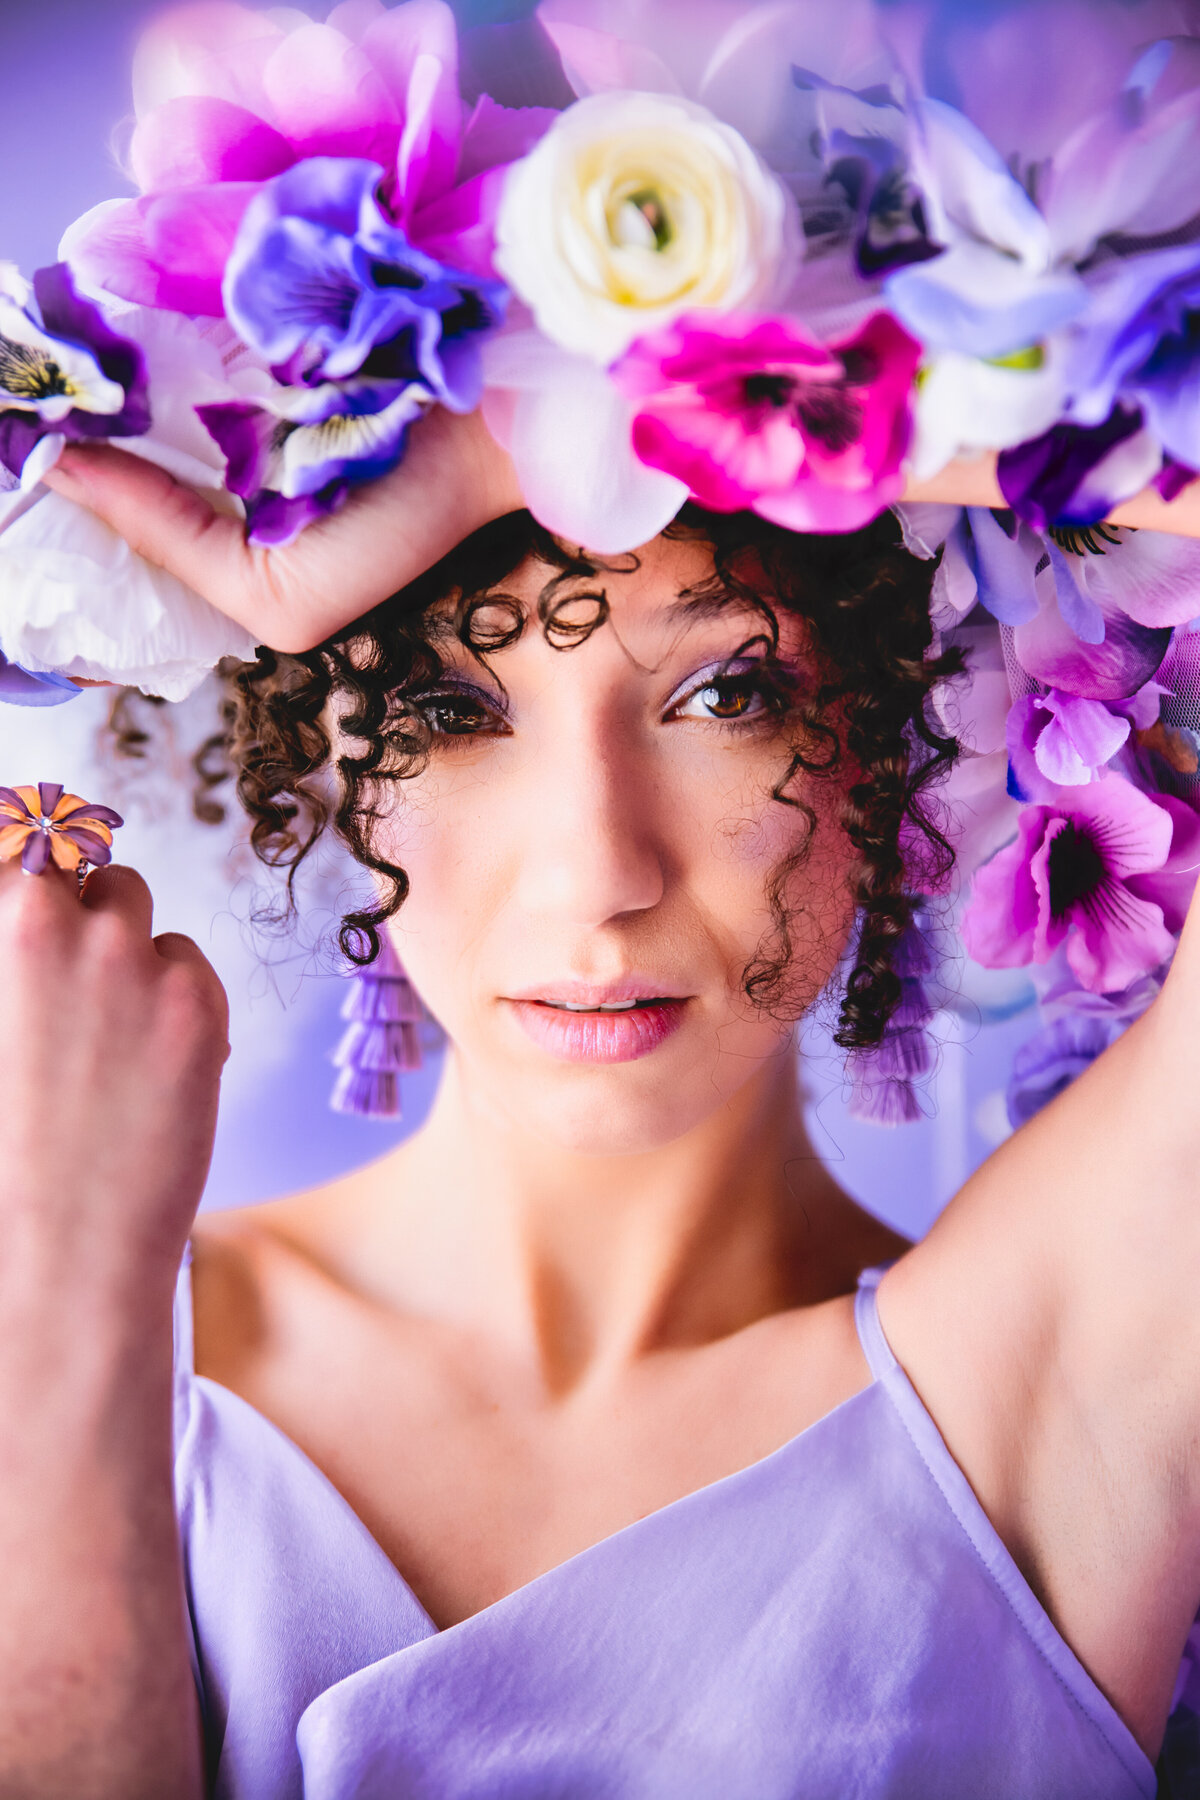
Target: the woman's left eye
(723, 697)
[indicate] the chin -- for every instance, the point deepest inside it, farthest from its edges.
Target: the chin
(630, 1109)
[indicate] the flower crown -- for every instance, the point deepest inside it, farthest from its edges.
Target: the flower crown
(778, 257)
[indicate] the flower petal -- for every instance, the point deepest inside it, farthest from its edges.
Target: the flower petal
(66, 854)
(209, 48)
(414, 50)
(163, 250)
(37, 852)
(12, 839)
(327, 98)
(569, 433)
(1049, 650)
(194, 142)
(16, 801)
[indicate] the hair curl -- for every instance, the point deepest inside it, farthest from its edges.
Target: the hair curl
(865, 603)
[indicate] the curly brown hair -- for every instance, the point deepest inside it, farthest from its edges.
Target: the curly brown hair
(865, 603)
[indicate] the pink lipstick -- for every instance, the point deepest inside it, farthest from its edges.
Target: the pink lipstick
(616, 1023)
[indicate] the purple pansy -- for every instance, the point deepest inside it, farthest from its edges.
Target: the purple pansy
(1139, 343)
(62, 368)
(324, 287)
(294, 454)
(1075, 474)
(1104, 869)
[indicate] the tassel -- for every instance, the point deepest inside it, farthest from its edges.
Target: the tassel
(884, 1078)
(381, 1041)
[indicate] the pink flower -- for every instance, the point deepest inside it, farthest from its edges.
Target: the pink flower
(1105, 868)
(753, 412)
(227, 98)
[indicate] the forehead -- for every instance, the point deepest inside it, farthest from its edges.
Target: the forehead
(665, 590)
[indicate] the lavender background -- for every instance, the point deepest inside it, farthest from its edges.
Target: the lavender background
(66, 75)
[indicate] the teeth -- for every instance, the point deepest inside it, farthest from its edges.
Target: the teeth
(616, 1006)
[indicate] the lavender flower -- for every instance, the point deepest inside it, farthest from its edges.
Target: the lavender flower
(62, 369)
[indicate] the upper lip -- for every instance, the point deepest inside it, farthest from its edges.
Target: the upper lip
(598, 993)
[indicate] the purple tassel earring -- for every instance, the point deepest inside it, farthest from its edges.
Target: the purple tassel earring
(884, 1078)
(381, 1041)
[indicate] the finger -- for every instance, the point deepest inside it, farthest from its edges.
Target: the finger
(121, 890)
(174, 947)
(13, 878)
(159, 518)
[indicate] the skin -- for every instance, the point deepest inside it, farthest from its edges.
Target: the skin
(569, 1260)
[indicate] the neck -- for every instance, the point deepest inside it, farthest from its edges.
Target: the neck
(583, 1263)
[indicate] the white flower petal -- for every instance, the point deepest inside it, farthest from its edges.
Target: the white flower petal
(965, 406)
(75, 599)
(722, 232)
(569, 437)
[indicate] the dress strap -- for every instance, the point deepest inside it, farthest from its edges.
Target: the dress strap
(875, 1346)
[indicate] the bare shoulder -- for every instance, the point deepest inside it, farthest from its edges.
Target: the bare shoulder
(241, 1260)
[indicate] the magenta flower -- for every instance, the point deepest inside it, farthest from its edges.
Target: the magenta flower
(1104, 868)
(754, 413)
(229, 98)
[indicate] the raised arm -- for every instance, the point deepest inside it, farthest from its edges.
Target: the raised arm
(111, 1046)
(454, 478)
(1051, 1323)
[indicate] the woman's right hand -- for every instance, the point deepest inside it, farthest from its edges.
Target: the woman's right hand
(111, 1049)
(454, 478)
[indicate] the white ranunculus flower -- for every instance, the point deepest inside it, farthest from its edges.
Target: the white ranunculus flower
(636, 207)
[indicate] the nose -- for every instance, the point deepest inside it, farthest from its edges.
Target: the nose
(592, 849)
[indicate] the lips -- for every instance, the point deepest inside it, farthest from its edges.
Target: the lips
(584, 1022)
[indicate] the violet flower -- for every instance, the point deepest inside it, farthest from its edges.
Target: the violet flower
(324, 287)
(293, 455)
(1073, 475)
(1104, 869)
(33, 687)
(1049, 1061)
(753, 412)
(1078, 1027)
(1058, 739)
(62, 368)
(43, 824)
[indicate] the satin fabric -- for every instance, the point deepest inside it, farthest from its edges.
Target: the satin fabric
(839, 1621)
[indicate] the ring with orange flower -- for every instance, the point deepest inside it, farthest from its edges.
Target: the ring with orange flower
(43, 824)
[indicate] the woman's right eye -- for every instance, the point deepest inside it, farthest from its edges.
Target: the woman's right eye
(452, 714)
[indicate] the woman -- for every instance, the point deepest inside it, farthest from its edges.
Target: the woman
(563, 1451)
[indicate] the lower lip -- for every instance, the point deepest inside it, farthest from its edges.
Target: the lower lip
(595, 1037)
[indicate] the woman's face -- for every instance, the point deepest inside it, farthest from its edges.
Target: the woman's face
(591, 848)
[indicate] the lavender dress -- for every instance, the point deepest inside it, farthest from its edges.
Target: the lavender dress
(837, 1622)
